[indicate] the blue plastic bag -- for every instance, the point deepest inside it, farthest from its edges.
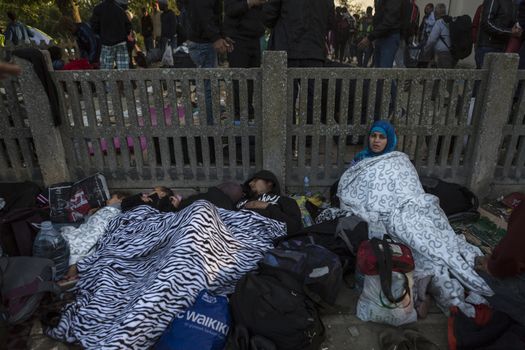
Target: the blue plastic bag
(203, 326)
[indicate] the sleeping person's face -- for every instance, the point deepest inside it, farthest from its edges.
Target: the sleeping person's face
(377, 142)
(259, 186)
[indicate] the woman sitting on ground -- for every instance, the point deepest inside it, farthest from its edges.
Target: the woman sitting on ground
(382, 187)
(263, 196)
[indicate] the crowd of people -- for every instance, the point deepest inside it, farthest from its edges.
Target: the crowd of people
(393, 34)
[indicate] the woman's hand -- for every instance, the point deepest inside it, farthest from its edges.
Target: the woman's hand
(481, 264)
(175, 200)
(256, 205)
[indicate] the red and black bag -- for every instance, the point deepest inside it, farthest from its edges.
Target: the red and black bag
(381, 257)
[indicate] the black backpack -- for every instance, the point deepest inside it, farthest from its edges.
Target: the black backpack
(461, 41)
(458, 202)
(17, 230)
(338, 237)
(24, 281)
(271, 304)
(318, 268)
(409, 19)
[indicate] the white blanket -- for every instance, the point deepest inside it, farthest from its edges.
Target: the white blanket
(386, 192)
(83, 239)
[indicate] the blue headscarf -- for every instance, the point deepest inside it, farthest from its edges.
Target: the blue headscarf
(385, 128)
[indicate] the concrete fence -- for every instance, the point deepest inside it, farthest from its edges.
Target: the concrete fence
(193, 128)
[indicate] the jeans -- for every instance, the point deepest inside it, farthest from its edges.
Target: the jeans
(247, 54)
(509, 295)
(400, 54)
(364, 55)
(385, 50)
(148, 42)
(480, 53)
(204, 56)
(306, 63)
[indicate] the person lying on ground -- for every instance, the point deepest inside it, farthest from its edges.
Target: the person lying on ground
(224, 196)
(504, 269)
(263, 196)
(159, 199)
(383, 188)
(83, 239)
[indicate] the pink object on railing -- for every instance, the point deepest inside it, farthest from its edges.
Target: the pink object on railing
(168, 112)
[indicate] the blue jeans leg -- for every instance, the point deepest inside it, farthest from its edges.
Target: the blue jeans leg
(481, 52)
(204, 56)
(386, 49)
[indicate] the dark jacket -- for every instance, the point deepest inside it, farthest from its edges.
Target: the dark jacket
(284, 209)
(299, 27)
(168, 24)
(88, 43)
(204, 20)
(242, 22)
(146, 26)
(109, 21)
(387, 18)
(214, 195)
(497, 19)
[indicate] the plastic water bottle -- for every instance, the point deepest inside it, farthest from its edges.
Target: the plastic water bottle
(306, 187)
(50, 244)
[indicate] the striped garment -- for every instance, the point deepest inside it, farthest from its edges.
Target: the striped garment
(150, 266)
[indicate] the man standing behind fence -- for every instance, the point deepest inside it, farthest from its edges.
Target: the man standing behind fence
(205, 39)
(387, 32)
(299, 27)
(439, 43)
(243, 23)
(498, 24)
(111, 23)
(146, 28)
(168, 25)
(88, 43)
(366, 26)
(16, 32)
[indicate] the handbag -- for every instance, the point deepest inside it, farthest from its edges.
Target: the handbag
(386, 296)
(382, 257)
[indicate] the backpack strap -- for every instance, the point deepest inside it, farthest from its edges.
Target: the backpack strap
(383, 255)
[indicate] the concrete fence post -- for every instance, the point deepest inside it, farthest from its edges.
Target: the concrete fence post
(274, 94)
(496, 105)
(46, 137)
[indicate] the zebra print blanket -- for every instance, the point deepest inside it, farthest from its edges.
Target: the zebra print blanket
(150, 266)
